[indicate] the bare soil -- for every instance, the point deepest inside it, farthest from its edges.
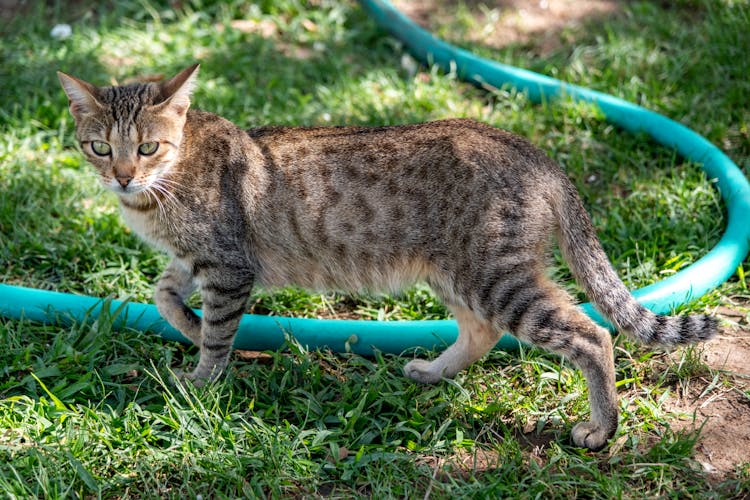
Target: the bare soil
(719, 403)
(540, 23)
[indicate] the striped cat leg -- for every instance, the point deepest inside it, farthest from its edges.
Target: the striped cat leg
(175, 285)
(544, 316)
(223, 306)
(475, 338)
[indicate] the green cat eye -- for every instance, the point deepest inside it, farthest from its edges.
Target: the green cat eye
(148, 148)
(101, 148)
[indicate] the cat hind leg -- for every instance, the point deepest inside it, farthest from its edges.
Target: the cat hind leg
(555, 324)
(476, 337)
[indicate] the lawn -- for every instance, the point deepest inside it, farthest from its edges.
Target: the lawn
(88, 411)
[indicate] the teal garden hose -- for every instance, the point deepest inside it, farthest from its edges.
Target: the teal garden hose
(267, 332)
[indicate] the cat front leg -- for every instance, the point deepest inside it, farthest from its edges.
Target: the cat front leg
(174, 287)
(224, 304)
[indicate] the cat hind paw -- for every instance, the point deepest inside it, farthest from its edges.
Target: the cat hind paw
(590, 435)
(422, 371)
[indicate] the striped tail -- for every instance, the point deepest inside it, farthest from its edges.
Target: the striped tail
(591, 267)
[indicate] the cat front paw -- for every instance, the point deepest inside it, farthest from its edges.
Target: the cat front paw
(182, 376)
(422, 371)
(591, 435)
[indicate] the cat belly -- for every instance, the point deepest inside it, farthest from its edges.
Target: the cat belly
(344, 274)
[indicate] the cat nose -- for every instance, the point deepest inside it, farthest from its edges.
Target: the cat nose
(124, 180)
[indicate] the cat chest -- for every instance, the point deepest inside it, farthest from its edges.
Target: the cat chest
(150, 227)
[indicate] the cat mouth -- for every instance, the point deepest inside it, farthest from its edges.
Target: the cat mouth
(131, 188)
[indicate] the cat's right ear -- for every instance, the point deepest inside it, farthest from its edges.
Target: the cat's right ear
(80, 95)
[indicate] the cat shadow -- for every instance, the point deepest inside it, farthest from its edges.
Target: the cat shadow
(534, 441)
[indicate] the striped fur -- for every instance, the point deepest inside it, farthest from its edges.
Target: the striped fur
(468, 208)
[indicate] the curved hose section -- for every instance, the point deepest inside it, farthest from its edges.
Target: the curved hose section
(363, 337)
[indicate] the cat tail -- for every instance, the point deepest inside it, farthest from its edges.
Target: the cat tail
(591, 268)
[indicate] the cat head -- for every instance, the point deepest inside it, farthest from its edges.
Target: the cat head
(130, 133)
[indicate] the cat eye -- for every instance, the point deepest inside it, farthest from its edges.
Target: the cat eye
(101, 148)
(148, 148)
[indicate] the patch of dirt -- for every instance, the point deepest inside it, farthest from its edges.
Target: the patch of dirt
(11, 8)
(729, 352)
(463, 462)
(721, 406)
(506, 22)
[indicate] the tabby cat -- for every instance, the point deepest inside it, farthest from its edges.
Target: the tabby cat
(468, 208)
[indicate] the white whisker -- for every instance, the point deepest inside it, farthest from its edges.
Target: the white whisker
(169, 197)
(162, 208)
(155, 197)
(168, 204)
(166, 182)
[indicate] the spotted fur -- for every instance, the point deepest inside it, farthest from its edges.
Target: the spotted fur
(466, 207)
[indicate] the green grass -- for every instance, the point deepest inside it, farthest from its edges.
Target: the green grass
(86, 411)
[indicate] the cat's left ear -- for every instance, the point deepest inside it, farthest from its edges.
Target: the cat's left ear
(176, 92)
